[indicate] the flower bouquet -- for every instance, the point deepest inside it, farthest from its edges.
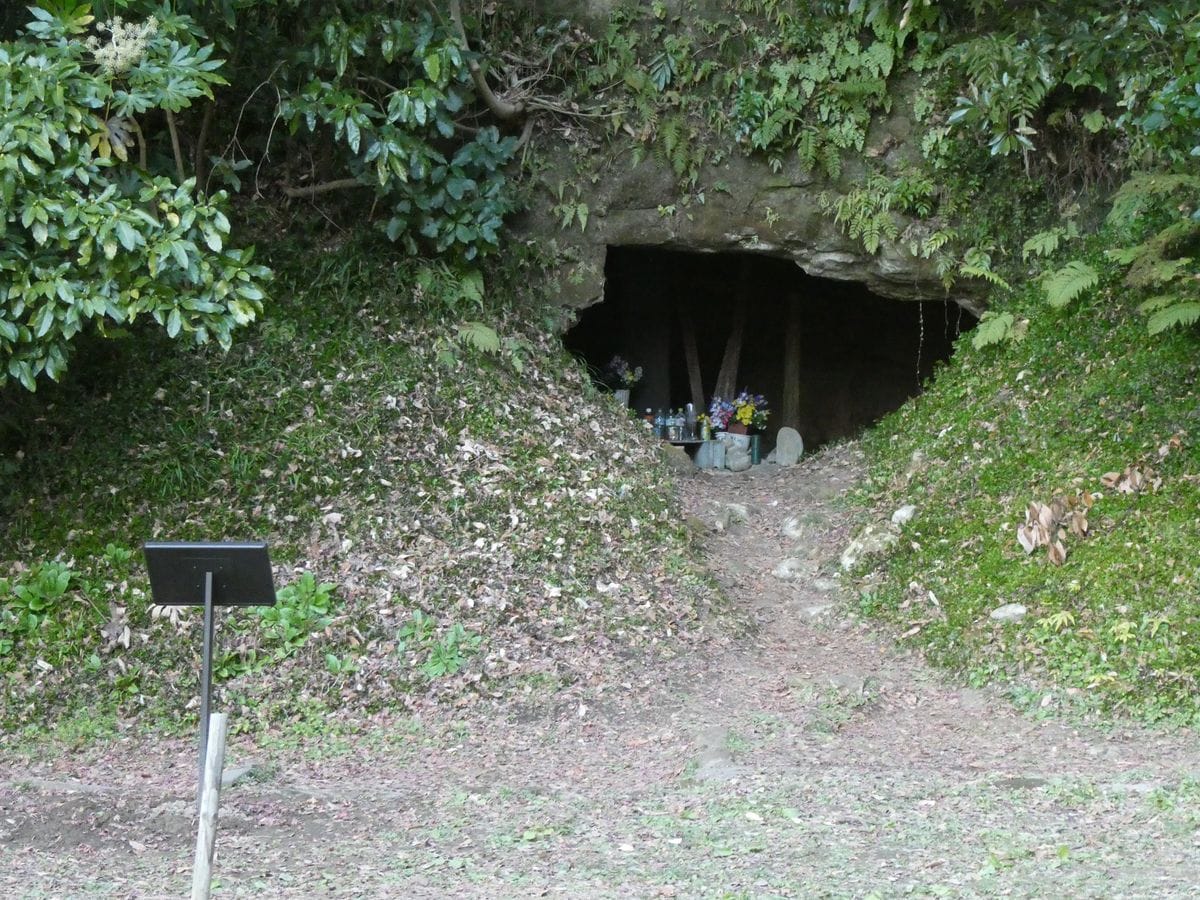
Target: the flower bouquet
(619, 375)
(743, 413)
(720, 413)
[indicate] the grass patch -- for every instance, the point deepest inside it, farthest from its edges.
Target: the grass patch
(1090, 410)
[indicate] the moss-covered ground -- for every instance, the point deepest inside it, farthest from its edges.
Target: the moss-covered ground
(1091, 410)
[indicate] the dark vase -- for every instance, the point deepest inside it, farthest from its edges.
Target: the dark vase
(736, 427)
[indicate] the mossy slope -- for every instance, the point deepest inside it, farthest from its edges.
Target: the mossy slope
(1086, 394)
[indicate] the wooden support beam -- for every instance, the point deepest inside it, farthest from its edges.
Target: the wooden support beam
(692, 354)
(789, 411)
(726, 386)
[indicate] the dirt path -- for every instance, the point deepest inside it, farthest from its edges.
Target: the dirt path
(808, 760)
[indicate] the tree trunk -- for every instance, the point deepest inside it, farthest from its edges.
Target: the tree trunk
(692, 355)
(726, 387)
(789, 412)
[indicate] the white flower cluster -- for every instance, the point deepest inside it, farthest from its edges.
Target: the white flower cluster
(126, 44)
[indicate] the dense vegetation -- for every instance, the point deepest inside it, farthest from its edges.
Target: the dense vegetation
(1053, 160)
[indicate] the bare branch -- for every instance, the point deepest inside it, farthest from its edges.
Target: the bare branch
(314, 190)
(175, 148)
(501, 109)
(199, 163)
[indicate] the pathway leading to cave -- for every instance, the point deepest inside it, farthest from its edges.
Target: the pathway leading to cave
(811, 758)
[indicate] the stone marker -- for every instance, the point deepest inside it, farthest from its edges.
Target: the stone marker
(789, 447)
(904, 515)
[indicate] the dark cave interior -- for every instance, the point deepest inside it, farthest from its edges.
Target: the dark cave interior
(860, 355)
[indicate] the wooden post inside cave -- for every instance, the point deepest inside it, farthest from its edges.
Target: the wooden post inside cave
(726, 386)
(691, 355)
(789, 411)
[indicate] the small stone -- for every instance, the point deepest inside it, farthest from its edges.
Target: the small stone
(1009, 612)
(904, 515)
(871, 541)
(789, 569)
(731, 514)
(789, 446)
(677, 460)
(739, 513)
(854, 683)
(234, 774)
(737, 460)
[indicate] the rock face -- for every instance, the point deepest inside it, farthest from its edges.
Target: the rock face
(755, 211)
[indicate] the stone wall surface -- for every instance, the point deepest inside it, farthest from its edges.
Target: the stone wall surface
(774, 213)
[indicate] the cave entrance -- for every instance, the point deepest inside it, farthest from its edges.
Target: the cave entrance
(849, 355)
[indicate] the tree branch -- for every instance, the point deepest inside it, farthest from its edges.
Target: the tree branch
(501, 109)
(325, 187)
(141, 142)
(179, 170)
(199, 163)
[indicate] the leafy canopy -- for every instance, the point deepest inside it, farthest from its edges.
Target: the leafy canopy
(87, 238)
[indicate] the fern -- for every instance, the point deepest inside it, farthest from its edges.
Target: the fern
(935, 242)
(832, 161)
(993, 328)
(1178, 315)
(1069, 282)
(1155, 303)
(986, 273)
(480, 336)
(1169, 311)
(1157, 260)
(1044, 243)
(978, 264)
(806, 149)
(1143, 190)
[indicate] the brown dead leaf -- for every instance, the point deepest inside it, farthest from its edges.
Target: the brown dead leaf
(1079, 523)
(1057, 553)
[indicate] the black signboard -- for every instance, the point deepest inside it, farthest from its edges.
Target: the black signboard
(209, 575)
(241, 573)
